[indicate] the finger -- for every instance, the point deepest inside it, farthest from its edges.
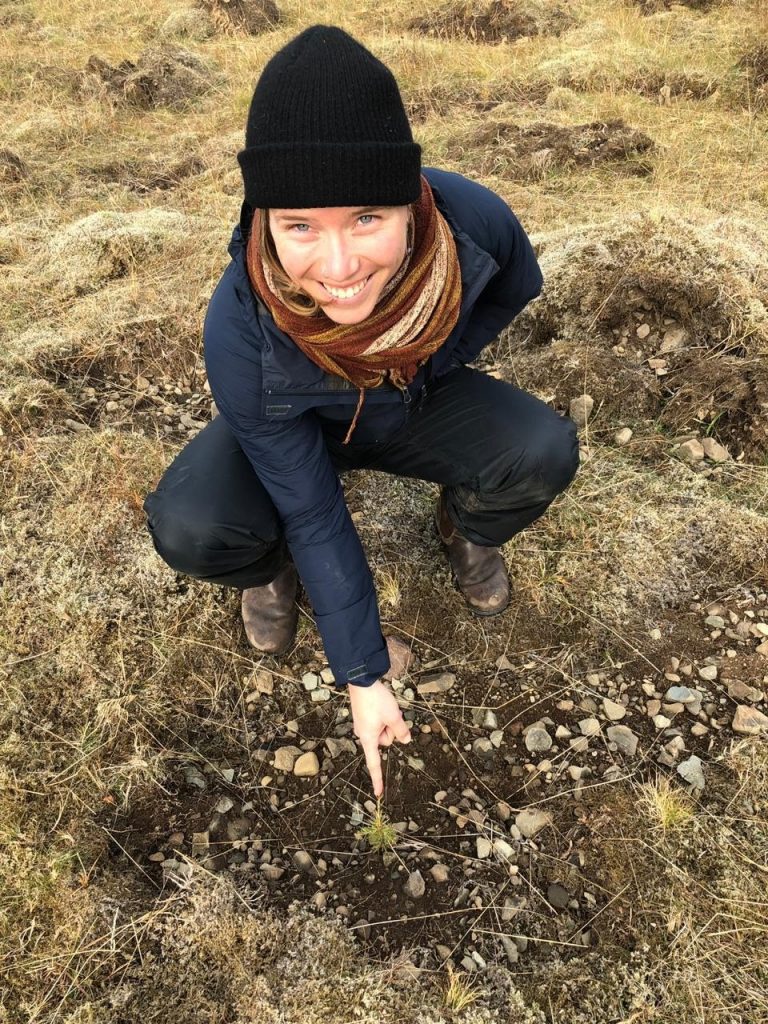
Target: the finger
(387, 737)
(400, 731)
(373, 761)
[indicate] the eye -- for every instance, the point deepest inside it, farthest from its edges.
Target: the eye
(371, 215)
(299, 226)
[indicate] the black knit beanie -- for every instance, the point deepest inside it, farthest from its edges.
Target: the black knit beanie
(327, 127)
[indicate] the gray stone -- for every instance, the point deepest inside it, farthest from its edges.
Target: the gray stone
(502, 849)
(415, 886)
(708, 673)
(589, 727)
(225, 804)
(692, 771)
(483, 748)
(683, 694)
(749, 721)
(742, 691)
(691, 451)
(285, 758)
(320, 695)
(530, 821)
(623, 737)
(580, 409)
(622, 436)
(336, 747)
(714, 451)
(483, 847)
(439, 873)
(558, 896)
(436, 684)
(310, 680)
(537, 739)
(613, 710)
(304, 863)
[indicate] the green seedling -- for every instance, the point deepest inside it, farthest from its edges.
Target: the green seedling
(380, 832)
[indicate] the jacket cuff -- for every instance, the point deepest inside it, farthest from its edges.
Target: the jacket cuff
(353, 643)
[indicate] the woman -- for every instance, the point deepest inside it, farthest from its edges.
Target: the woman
(360, 285)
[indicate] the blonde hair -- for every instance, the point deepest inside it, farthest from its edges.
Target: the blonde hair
(291, 295)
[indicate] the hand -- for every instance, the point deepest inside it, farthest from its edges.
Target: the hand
(378, 722)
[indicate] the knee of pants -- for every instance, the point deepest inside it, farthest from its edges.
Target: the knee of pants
(545, 467)
(196, 548)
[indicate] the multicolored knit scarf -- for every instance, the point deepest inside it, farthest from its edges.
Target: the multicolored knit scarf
(415, 313)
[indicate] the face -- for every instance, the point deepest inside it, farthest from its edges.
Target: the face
(342, 256)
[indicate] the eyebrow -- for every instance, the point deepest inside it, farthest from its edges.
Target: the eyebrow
(297, 216)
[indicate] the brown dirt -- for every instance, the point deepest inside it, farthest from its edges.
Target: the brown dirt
(531, 152)
(655, 6)
(494, 21)
(161, 76)
(251, 17)
(144, 176)
(12, 167)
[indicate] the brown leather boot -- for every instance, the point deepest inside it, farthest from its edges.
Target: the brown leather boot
(270, 612)
(480, 571)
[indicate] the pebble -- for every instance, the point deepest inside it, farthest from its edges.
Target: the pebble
(502, 849)
(589, 727)
(714, 451)
(661, 722)
(749, 721)
(613, 710)
(580, 409)
(624, 738)
(320, 694)
(285, 758)
(742, 691)
(304, 862)
(557, 896)
(623, 436)
(307, 765)
(436, 684)
(439, 872)
(698, 729)
(336, 747)
(708, 673)
(483, 748)
(415, 885)
(483, 847)
(271, 872)
(530, 821)
(692, 771)
(310, 680)
(496, 737)
(691, 451)
(682, 694)
(225, 804)
(537, 739)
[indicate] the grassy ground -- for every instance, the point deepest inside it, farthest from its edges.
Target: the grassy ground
(630, 139)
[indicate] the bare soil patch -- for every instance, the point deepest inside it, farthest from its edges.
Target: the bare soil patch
(235, 17)
(531, 152)
(161, 76)
(495, 21)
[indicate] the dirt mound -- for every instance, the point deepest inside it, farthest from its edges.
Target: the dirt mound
(495, 21)
(86, 254)
(655, 316)
(755, 64)
(161, 76)
(438, 100)
(143, 178)
(656, 6)
(191, 23)
(12, 167)
(530, 152)
(235, 17)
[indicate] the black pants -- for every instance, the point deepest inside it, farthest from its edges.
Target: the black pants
(503, 455)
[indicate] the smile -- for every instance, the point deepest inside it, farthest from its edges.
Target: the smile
(342, 294)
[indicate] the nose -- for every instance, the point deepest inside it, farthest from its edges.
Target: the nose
(338, 263)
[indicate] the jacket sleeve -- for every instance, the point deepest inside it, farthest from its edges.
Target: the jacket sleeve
(291, 460)
(517, 281)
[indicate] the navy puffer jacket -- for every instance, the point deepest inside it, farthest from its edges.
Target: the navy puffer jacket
(275, 401)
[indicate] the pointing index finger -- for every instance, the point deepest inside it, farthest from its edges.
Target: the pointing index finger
(373, 760)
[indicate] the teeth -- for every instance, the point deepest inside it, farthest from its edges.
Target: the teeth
(346, 293)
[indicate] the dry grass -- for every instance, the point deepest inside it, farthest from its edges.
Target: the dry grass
(117, 215)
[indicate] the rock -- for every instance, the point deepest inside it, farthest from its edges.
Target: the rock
(285, 758)
(692, 771)
(200, 842)
(307, 765)
(490, 721)
(589, 727)
(763, 648)
(537, 739)
(415, 886)
(502, 849)
(673, 340)
(436, 684)
(691, 451)
(496, 737)
(715, 621)
(310, 680)
(262, 681)
(714, 452)
(304, 863)
(558, 896)
(749, 721)
(401, 658)
(224, 805)
(643, 330)
(742, 691)
(708, 673)
(699, 729)
(336, 747)
(271, 872)
(530, 821)
(238, 828)
(503, 663)
(327, 676)
(483, 847)
(613, 710)
(661, 722)
(483, 748)
(510, 949)
(624, 738)
(440, 873)
(580, 409)
(623, 436)
(682, 694)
